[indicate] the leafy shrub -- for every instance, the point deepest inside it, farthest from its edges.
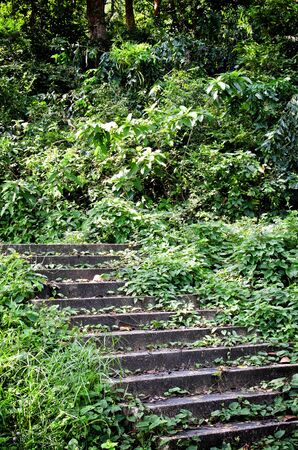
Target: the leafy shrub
(96, 98)
(132, 153)
(141, 64)
(32, 215)
(55, 391)
(269, 252)
(131, 64)
(248, 270)
(18, 280)
(281, 145)
(274, 18)
(165, 273)
(112, 220)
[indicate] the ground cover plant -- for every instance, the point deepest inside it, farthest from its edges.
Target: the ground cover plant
(247, 268)
(55, 391)
(169, 124)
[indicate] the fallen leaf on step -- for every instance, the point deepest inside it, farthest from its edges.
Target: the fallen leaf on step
(289, 418)
(125, 328)
(97, 278)
(285, 360)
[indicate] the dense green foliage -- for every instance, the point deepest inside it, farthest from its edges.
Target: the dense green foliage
(206, 115)
(246, 268)
(54, 390)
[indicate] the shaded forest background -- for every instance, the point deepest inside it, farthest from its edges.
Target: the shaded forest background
(163, 104)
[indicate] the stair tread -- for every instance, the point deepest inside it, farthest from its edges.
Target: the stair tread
(85, 283)
(84, 299)
(139, 298)
(212, 397)
(157, 332)
(95, 256)
(75, 274)
(202, 371)
(227, 427)
(139, 313)
(143, 353)
(66, 247)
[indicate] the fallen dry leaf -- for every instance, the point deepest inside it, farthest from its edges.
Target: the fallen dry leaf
(125, 328)
(97, 278)
(289, 418)
(285, 360)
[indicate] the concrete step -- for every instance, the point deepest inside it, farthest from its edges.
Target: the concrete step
(240, 433)
(132, 319)
(71, 260)
(65, 249)
(174, 359)
(141, 339)
(81, 289)
(74, 274)
(201, 380)
(106, 302)
(201, 406)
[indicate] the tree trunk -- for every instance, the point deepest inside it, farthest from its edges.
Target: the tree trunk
(157, 8)
(129, 15)
(96, 20)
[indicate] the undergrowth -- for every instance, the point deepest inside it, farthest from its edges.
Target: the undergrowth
(248, 269)
(55, 391)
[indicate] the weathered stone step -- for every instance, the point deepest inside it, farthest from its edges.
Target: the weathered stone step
(132, 319)
(201, 406)
(74, 274)
(81, 289)
(141, 339)
(105, 302)
(239, 432)
(71, 260)
(65, 249)
(201, 380)
(93, 302)
(173, 359)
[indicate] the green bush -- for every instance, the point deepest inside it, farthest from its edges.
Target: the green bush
(32, 215)
(18, 280)
(54, 390)
(248, 270)
(112, 220)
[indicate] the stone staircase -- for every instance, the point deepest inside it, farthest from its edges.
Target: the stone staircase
(182, 368)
